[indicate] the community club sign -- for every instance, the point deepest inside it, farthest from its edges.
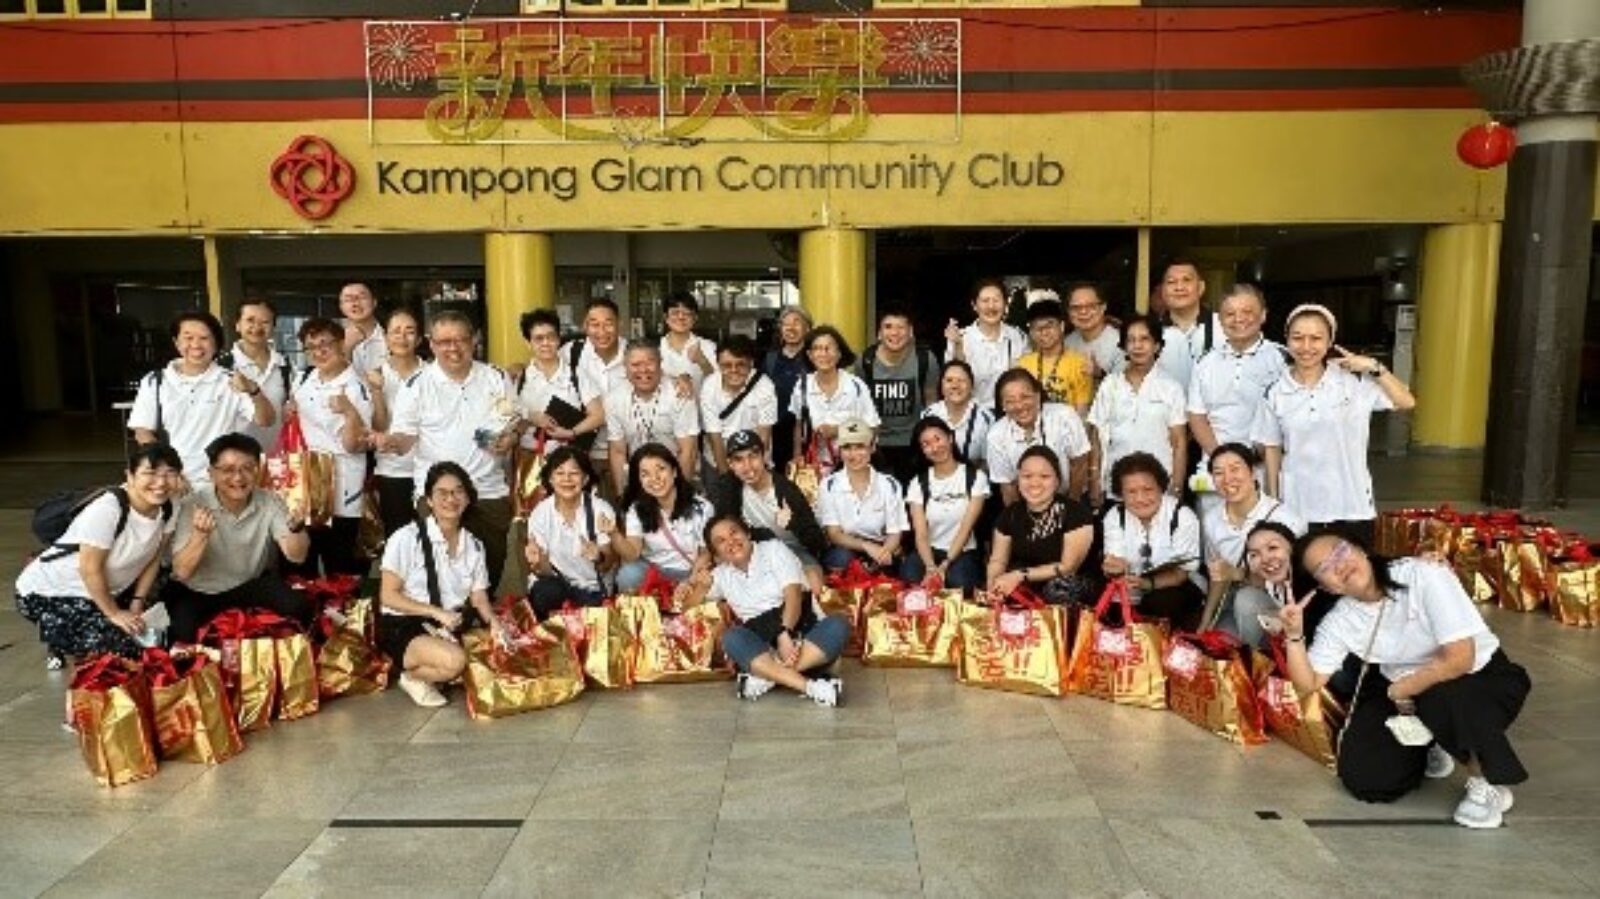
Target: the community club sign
(915, 172)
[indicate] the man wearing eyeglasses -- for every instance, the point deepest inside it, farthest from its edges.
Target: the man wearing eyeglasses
(229, 535)
(645, 412)
(1092, 335)
(1067, 376)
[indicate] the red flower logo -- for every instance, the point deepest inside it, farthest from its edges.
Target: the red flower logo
(312, 177)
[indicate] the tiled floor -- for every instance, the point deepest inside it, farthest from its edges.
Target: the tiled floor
(915, 786)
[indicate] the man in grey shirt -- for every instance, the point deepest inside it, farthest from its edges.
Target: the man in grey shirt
(229, 535)
(904, 380)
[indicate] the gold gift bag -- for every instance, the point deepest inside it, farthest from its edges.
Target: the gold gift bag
(527, 478)
(914, 629)
(348, 665)
(113, 715)
(671, 649)
(1121, 664)
(1020, 650)
(538, 670)
(601, 637)
(1467, 558)
(1309, 723)
(194, 718)
(299, 693)
(1523, 574)
(1209, 686)
(846, 594)
(1575, 591)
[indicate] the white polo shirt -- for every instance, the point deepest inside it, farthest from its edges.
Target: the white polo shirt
(1058, 427)
(370, 352)
(1227, 542)
(1323, 431)
(324, 428)
(609, 376)
(972, 429)
(661, 418)
(445, 415)
(1169, 540)
(1228, 386)
(1180, 350)
(195, 411)
(271, 379)
(1103, 349)
(948, 505)
(128, 552)
(688, 533)
(539, 388)
(758, 410)
(851, 398)
(759, 588)
(459, 575)
(561, 538)
(1140, 419)
(676, 362)
(1431, 611)
(873, 516)
(989, 357)
(392, 465)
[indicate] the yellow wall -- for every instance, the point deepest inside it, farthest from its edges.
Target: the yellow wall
(1118, 169)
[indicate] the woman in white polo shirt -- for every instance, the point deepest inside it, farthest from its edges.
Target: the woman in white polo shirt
(1030, 421)
(989, 346)
(335, 409)
(1314, 426)
(1138, 409)
(828, 396)
(861, 509)
(1226, 525)
(570, 532)
(969, 417)
(1427, 653)
(665, 522)
(778, 639)
(433, 573)
(1153, 542)
(945, 499)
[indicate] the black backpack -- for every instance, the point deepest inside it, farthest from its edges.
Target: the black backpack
(52, 517)
(924, 480)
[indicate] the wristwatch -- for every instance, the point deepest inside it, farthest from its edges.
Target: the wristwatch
(296, 527)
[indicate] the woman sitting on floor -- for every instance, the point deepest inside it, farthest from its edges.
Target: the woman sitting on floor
(1042, 539)
(1226, 526)
(945, 499)
(1153, 542)
(779, 638)
(1427, 653)
(665, 523)
(570, 535)
(861, 509)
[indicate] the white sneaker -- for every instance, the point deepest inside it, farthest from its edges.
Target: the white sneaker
(752, 687)
(823, 692)
(54, 661)
(1484, 806)
(422, 693)
(1440, 764)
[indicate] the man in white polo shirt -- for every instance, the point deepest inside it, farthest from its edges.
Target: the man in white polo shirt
(463, 411)
(363, 334)
(597, 357)
(1230, 382)
(646, 412)
(1191, 329)
(193, 401)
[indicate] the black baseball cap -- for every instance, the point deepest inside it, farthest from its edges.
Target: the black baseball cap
(742, 441)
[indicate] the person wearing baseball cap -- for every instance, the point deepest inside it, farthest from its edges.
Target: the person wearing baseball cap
(862, 509)
(769, 503)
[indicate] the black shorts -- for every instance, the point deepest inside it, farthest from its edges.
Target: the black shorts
(395, 633)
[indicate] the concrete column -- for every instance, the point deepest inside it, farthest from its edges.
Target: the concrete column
(1141, 274)
(1455, 331)
(833, 280)
(224, 283)
(519, 275)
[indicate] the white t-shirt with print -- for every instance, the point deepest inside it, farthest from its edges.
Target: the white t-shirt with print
(1180, 350)
(688, 533)
(873, 516)
(324, 429)
(561, 538)
(271, 381)
(395, 465)
(759, 409)
(1431, 611)
(1229, 386)
(539, 388)
(675, 362)
(972, 429)
(989, 358)
(760, 587)
(460, 575)
(1058, 427)
(948, 505)
(1169, 540)
(128, 552)
(608, 376)
(1226, 542)
(661, 418)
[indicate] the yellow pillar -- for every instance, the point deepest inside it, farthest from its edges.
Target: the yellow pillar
(1141, 274)
(221, 282)
(1455, 335)
(519, 274)
(833, 280)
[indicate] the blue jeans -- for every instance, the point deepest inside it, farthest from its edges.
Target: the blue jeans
(964, 572)
(632, 574)
(837, 558)
(744, 645)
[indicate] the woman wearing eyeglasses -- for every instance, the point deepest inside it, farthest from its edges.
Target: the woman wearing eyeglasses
(1152, 542)
(335, 409)
(1427, 653)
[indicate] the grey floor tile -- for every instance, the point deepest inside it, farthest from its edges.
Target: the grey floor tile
(805, 780)
(1204, 857)
(53, 779)
(37, 850)
(647, 781)
(283, 779)
(388, 717)
(605, 858)
(556, 725)
(944, 710)
(1022, 858)
(846, 857)
(1447, 861)
(628, 725)
(216, 857)
(1023, 778)
(1084, 720)
(407, 862)
(864, 713)
(1570, 846)
(34, 715)
(446, 781)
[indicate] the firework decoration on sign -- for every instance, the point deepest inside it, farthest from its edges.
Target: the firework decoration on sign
(399, 55)
(925, 53)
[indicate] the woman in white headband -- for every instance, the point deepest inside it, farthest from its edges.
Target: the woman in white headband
(1314, 426)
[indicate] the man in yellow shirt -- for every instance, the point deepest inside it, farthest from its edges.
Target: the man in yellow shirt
(1068, 377)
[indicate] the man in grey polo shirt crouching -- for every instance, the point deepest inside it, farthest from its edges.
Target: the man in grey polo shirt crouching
(225, 550)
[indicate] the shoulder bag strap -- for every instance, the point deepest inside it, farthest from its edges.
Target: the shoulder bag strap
(1361, 679)
(733, 404)
(429, 566)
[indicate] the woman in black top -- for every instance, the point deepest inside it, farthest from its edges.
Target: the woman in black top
(1043, 538)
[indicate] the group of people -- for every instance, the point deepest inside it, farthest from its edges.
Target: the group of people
(1203, 464)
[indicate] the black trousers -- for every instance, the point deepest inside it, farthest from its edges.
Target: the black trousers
(333, 551)
(395, 505)
(191, 610)
(1468, 716)
(1180, 605)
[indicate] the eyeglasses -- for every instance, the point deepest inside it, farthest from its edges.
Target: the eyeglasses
(449, 342)
(1339, 553)
(317, 346)
(449, 493)
(1043, 325)
(235, 471)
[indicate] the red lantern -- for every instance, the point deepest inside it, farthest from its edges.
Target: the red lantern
(1486, 146)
